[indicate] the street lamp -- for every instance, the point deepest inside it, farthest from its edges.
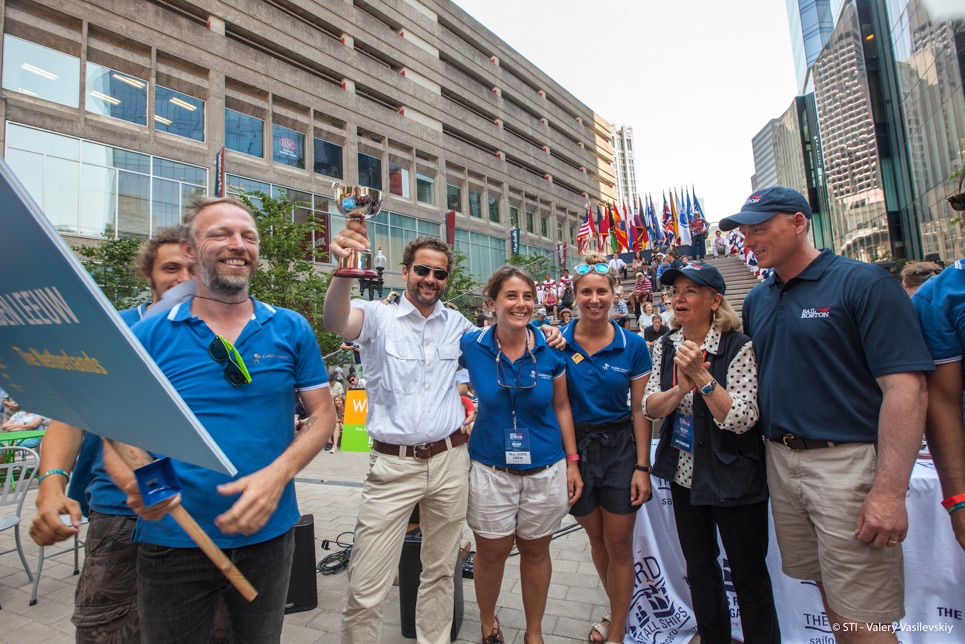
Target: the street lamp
(372, 284)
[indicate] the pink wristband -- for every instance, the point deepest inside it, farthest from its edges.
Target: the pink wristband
(572, 458)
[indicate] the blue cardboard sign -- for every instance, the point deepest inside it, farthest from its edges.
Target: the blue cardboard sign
(66, 354)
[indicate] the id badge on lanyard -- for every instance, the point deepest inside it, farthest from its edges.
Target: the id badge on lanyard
(517, 446)
(683, 433)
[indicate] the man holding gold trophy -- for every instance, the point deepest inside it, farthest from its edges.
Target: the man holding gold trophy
(419, 454)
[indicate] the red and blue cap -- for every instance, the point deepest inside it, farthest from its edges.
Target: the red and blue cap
(697, 272)
(764, 204)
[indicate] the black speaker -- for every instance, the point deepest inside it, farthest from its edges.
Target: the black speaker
(303, 585)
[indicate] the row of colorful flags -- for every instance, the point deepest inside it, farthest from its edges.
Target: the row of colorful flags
(637, 226)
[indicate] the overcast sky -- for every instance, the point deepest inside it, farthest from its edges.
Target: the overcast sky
(695, 79)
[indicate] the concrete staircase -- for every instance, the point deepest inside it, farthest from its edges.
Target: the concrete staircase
(739, 279)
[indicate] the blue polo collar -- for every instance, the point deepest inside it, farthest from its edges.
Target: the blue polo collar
(619, 337)
(812, 272)
(182, 311)
(488, 338)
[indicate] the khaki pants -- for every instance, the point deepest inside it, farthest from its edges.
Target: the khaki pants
(394, 485)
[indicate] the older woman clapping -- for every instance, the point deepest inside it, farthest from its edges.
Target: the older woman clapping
(704, 384)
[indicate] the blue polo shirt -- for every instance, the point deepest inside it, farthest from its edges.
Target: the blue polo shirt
(534, 407)
(252, 423)
(599, 384)
(942, 314)
(90, 485)
(821, 339)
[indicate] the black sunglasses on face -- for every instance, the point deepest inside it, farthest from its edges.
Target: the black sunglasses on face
(235, 372)
(422, 270)
(957, 202)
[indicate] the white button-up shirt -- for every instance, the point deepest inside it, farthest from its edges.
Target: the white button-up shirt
(410, 365)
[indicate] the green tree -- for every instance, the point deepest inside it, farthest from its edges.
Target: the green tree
(111, 264)
(462, 288)
(537, 265)
(287, 275)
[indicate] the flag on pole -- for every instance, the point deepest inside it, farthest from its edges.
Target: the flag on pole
(656, 230)
(674, 215)
(698, 211)
(618, 231)
(602, 228)
(586, 230)
(685, 238)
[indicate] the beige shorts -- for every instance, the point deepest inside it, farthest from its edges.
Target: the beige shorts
(530, 507)
(816, 496)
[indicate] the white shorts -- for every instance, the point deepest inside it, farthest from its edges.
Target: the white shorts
(530, 507)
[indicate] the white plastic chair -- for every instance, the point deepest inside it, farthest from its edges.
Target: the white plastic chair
(18, 467)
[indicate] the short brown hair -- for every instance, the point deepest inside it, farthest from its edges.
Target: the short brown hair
(430, 243)
(194, 208)
(496, 280)
(148, 253)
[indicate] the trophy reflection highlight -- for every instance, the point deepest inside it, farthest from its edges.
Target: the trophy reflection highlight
(361, 203)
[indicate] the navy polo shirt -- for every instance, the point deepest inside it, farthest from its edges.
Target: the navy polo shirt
(599, 384)
(821, 339)
(252, 424)
(534, 407)
(939, 305)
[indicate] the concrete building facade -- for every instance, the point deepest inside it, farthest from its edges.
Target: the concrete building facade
(115, 113)
(624, 164)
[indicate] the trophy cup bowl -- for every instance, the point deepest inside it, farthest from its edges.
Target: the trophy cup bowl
(361, 203)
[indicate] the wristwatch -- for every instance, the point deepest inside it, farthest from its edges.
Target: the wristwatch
(708, 389)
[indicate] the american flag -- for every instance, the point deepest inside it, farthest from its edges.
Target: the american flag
(585, 231)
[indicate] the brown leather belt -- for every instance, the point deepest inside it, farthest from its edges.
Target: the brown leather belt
(514, 472)
(427, 450)
(791, 441)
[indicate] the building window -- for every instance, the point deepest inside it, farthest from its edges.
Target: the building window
(308, 203)
(572, 234)
(38, 71)
(328, 159)
(475, 204)
(178, 114)
(96, 190)
(425, 187)
(111, 93)
(484, 252)
(494, 209)
(370, 171)
(393, 231)
(530, 222)
(243, 133)
(399, 181)
(287, 146)
(514, 216)
(559, 231)
(453, 197)
(544, 226)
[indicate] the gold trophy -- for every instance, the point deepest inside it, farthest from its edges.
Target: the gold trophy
(361, 203)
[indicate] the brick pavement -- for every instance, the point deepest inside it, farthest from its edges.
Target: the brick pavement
(329, 488)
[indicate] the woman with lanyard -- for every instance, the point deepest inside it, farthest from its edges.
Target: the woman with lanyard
(704, 384)
(524, 474)
(606, 366)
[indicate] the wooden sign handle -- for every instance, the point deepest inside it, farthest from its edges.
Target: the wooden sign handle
(134, 458)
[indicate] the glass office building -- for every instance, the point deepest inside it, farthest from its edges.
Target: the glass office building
(927, 68)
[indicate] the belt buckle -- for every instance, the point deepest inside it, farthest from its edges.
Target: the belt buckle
(423, 451)
(787, 437)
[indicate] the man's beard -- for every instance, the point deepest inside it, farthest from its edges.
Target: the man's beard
(220, 284)
(417, 296)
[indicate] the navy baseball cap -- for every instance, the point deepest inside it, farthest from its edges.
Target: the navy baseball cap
(698, 272)
(764, 204)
